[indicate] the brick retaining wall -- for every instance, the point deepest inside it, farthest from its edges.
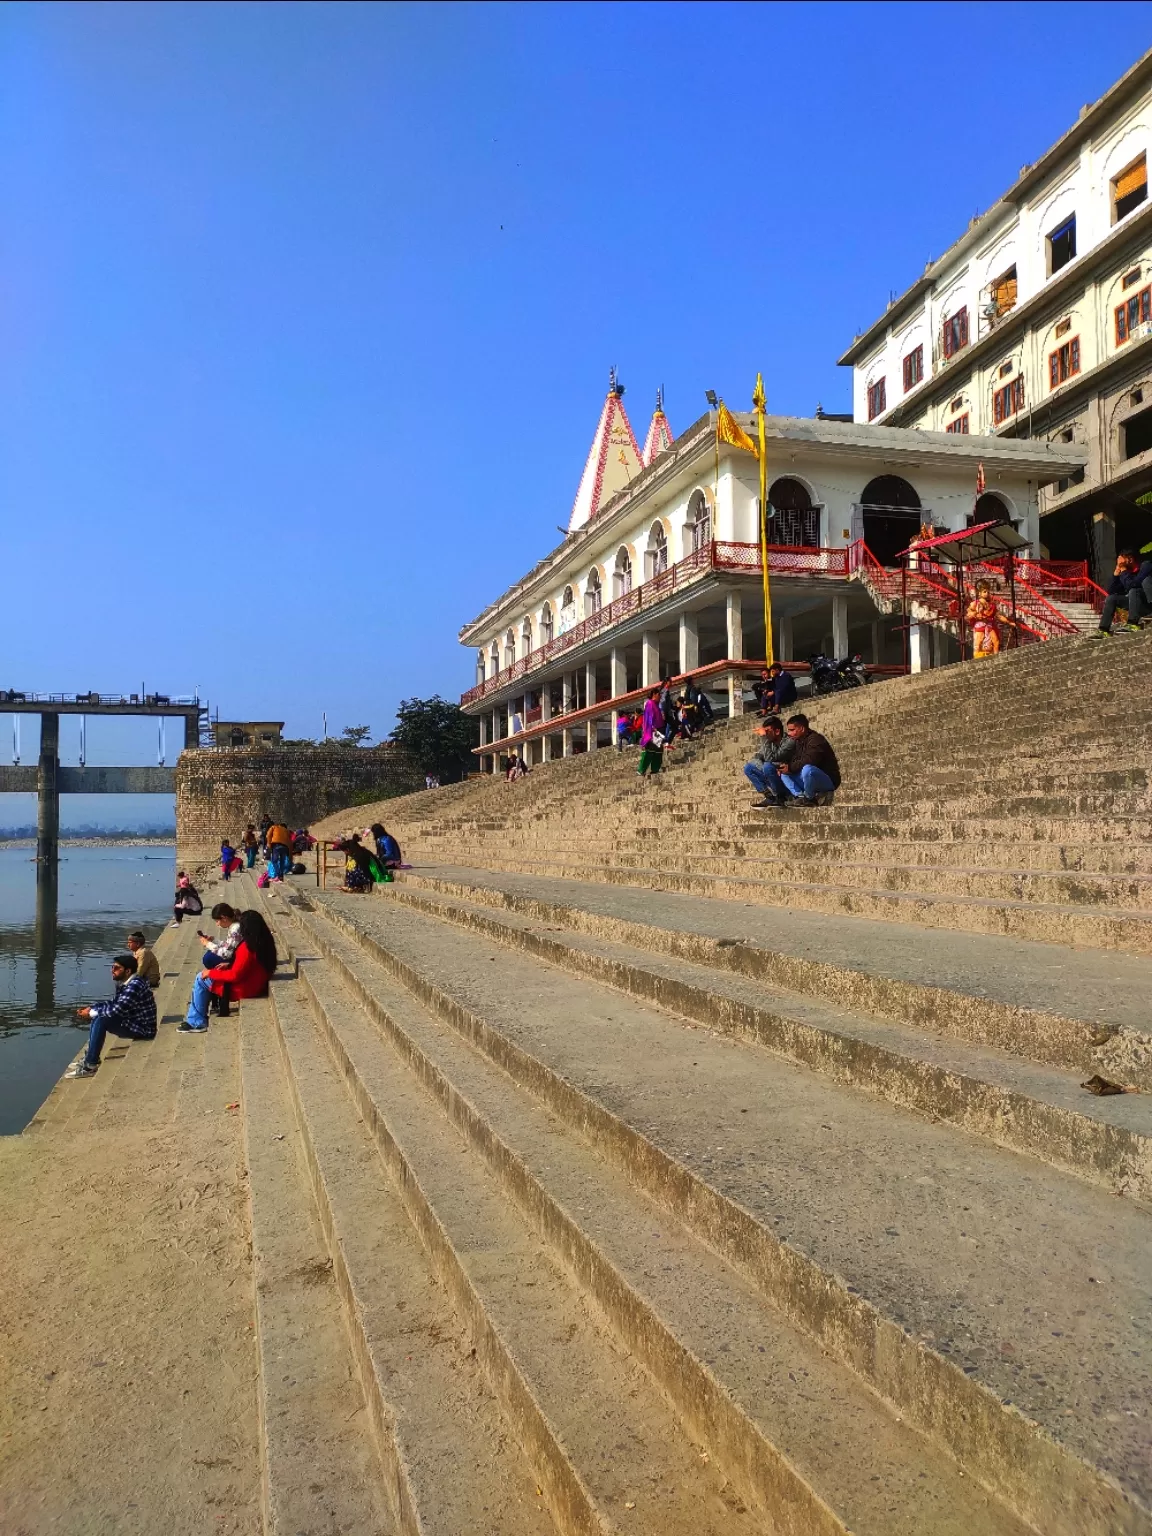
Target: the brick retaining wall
(219, 791)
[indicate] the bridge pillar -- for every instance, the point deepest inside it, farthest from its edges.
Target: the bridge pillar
(48, 794)
(191, 733)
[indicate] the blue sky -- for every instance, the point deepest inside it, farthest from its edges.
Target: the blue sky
(306, 311)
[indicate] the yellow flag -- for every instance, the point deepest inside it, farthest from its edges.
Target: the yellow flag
(729, 430)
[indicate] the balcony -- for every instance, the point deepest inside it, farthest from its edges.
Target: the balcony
(716, 558)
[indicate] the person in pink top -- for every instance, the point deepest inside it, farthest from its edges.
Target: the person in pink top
(651, 736)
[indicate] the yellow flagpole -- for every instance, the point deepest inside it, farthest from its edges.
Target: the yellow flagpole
(759, 401)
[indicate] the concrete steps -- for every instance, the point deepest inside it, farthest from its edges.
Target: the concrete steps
(988, 1092)
(950, 1276)
(1096, 927)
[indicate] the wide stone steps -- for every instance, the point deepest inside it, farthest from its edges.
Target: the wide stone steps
(1022, 997)
(1096, 926)
(756, 860)
(951, 1276)
(446, 1459)
(1044, 1113)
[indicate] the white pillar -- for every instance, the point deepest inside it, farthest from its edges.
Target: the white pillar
(649, 660)
(735, 616)
(786, 642)
(546, 701)
(919, 648)
(566, 693)
(689, 642)
(839, 625)
(590, 694)
(566, 743)
(618, 683)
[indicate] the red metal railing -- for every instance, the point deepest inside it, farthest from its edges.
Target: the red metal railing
(719, 555)
(1039, 583)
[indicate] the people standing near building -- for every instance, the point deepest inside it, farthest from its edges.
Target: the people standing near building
(229, 861)
(251, 845)
(279, 850)
(265, 823)
(699, 702)
(651, 736)
(129, 1015)
(772, 754)
(147, 965)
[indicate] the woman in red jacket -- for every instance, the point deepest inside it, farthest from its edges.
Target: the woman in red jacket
(247, 976)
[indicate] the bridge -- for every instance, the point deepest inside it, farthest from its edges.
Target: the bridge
(49, 781)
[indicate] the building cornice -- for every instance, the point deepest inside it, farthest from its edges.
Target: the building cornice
(1012, 328)
(1032, 176)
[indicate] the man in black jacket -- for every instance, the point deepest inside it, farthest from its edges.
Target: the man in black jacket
(813, 774)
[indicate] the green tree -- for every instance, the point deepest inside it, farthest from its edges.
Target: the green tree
(355, 735)
(437, 735)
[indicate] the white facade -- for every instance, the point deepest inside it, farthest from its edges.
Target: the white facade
(666, 579)
(1078, 184)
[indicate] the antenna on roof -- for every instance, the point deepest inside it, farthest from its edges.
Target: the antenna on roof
(660, 398)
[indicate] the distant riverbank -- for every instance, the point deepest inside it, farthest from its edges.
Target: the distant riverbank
(160, 840)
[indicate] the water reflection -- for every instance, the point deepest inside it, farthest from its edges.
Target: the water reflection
(59, 928)
(47, 912)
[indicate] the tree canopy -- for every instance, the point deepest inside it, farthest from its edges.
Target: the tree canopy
(437, 735)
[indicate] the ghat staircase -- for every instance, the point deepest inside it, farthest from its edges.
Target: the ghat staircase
(676, 1166)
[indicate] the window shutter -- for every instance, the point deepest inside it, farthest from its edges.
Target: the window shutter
(1074, 363)
(1054, 369)
(1121, 323)
(1135, 177)
(1146, 304)
(963, 318)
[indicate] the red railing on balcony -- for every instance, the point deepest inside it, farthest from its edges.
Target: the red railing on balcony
(720, 555)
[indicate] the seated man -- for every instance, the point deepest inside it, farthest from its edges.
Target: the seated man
(130, 1015)
(813, 774)
(147, 965)
(764, 689)
(763, 772)
(783, 687)
(1124, 591)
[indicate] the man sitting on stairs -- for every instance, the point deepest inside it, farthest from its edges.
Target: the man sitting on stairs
(810, 774)
(1130, 588)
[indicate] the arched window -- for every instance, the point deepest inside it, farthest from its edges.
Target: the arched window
(891, 516)
(480, 667)
(700, 521)
(494, 659)
(510, 648)
(656, 557)
(593, 593)
(622, 575)
(795, 521)
(526, 637)
(989, 508)
(547, 625)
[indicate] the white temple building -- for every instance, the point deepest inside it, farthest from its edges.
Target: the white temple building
(660, 572)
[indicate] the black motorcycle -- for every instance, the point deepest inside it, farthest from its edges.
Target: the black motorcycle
(825, 674)
(852, 672)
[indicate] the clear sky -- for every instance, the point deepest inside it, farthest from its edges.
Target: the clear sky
(306, 311)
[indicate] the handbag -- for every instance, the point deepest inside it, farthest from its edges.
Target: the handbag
(658, 739)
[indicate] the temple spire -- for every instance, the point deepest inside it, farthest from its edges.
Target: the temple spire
(659, 432)
(613, 460)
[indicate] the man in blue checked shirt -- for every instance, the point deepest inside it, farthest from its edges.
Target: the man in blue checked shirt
(130, 1014)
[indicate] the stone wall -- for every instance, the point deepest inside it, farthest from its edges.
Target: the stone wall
(219, 791)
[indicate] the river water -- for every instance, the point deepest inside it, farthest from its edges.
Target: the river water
(44, 977)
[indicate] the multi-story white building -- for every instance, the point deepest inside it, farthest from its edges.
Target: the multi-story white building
(660, 572)
(1037, 323)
